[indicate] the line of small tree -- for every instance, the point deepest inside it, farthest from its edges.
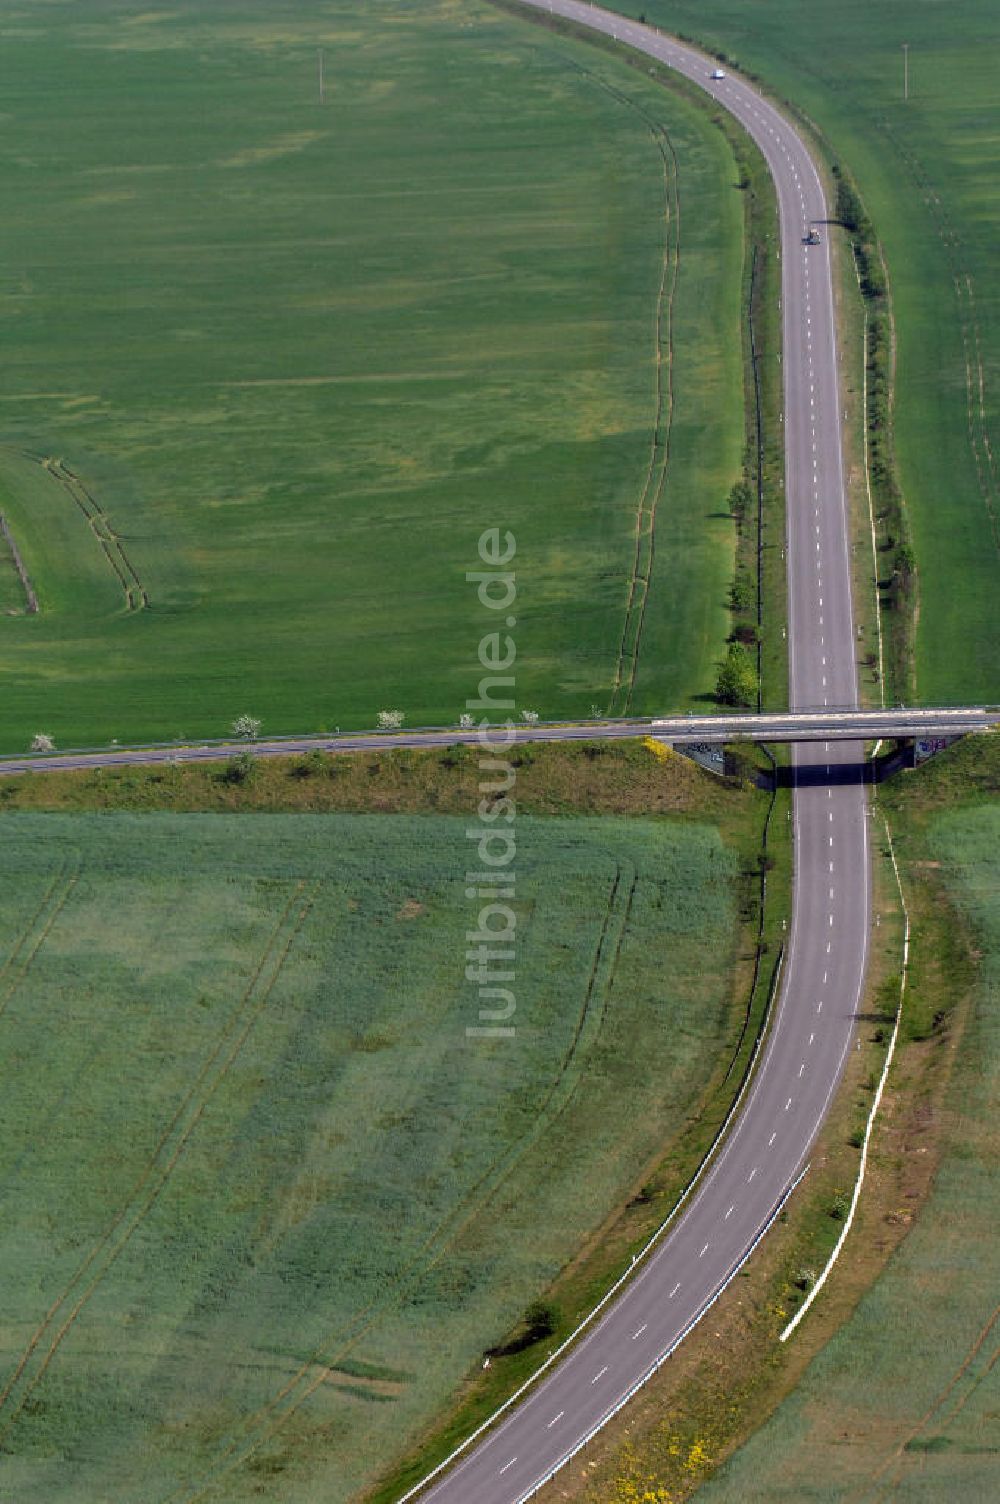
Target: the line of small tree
(246, 728)
(851, 213)
(737, 683)
(898, 585)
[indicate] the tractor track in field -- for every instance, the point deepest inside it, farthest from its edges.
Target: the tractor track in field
(136, 597)
(880, 1487)
(149, 1185)
(655, 477)
(311, 1375)
(641, 570)
(34, 936)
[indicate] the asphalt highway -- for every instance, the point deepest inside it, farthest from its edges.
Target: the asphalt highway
(768, 1145)
(770, 1140)
(765, 1152)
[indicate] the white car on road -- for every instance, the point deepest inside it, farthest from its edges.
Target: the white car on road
(717, 73)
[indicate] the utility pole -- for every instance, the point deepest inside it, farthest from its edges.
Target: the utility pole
(906, 70)
(321, 75)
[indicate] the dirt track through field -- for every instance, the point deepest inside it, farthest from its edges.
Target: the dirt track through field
(136, 598)
(641, 571)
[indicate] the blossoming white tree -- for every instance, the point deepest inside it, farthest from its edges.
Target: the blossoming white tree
(247, 727)
(390, 720)
(41, 742)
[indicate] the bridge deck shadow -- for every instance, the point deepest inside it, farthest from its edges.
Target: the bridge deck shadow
(842, 774)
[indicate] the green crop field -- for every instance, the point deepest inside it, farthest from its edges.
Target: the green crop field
(271, 366)
(927, 170)
(903, 1402)
(264, 1201)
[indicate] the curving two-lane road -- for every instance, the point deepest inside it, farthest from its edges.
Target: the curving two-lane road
(770, 1140)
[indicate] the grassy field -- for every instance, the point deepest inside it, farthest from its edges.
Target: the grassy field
(281, 1270)
(926, 170)
(286, 361)
(903, 1402)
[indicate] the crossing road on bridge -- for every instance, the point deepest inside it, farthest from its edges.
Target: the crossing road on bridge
(827, 725)
(780, 726)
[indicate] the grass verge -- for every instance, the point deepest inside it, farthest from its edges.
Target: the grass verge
(911, 1380)
(896, 576)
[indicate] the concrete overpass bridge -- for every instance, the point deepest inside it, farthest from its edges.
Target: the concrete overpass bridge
(683, 731)
(828, 725)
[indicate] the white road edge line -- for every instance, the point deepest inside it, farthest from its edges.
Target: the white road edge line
(824, 1276)
(654, 1368)
(720, 1137)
